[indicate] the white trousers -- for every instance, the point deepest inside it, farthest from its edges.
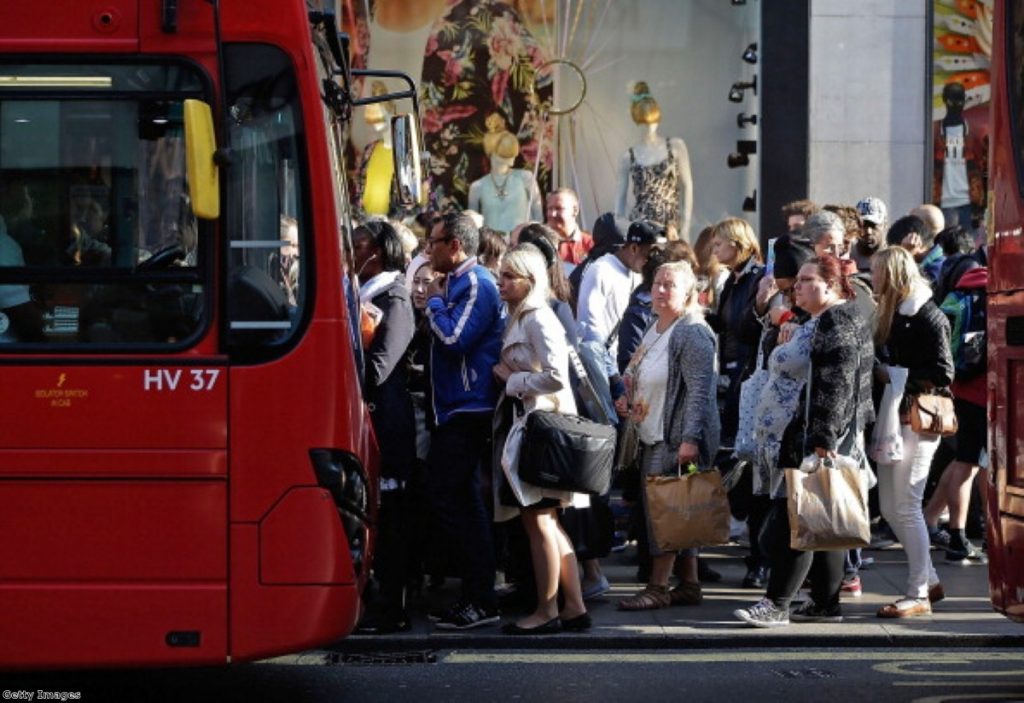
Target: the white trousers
(900, 495)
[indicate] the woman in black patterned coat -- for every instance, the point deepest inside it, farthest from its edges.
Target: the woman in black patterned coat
(841, 360)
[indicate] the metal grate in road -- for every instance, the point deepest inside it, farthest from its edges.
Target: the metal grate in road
(804, 673)
(426, 656)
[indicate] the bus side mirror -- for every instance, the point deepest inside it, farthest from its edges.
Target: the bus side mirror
(405, 139)
(200, 145)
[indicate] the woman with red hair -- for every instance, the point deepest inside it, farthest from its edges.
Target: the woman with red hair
(836, 346)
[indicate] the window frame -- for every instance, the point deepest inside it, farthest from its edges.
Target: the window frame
(248, 353)
(202, 274)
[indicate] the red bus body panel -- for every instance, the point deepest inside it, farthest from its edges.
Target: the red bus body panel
(1004, 491)
(134, 513)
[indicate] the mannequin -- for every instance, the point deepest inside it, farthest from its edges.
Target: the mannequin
(506, 196)
(959, 169)
(376, 166)
(659, 169)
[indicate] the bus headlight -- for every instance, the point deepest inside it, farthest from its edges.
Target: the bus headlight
(343, 475)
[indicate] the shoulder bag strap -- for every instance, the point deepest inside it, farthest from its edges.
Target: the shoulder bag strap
(613, 335)
(584, 380)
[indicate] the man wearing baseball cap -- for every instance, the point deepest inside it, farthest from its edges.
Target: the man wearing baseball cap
(875, 217)
(604, 292)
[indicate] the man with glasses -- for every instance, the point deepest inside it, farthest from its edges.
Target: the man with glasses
(466, 321)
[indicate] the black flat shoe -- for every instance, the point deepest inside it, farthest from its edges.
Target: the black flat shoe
(580, 623)
(551, 627)
(383, 625)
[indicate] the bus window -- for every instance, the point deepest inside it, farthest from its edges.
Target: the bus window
(1015, 70)
(96, 224)
(267, 289)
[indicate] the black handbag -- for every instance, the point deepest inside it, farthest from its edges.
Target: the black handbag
(567, 453)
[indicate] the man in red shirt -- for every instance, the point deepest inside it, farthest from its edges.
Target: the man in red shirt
(563, 209)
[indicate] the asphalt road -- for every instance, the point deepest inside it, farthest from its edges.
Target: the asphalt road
(718, 676)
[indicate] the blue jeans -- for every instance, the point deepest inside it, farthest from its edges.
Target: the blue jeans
(852, 563)
(958, 216)
(459, 454)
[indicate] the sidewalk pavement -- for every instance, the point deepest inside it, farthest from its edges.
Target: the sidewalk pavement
(964, 619)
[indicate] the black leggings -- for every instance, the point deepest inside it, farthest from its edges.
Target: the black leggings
(791, 567)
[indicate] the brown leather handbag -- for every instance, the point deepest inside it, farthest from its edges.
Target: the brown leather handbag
(933, 414)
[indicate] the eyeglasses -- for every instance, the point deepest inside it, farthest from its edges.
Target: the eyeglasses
(431, 241)
(511, 276)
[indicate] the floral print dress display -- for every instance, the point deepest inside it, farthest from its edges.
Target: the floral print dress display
(656, 190)
(788, 367)
(480, 60)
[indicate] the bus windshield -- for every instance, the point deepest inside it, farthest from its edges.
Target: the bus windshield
(97, 233)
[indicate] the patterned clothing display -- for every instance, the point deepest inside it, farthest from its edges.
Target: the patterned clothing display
(656, 189)
(479, 60)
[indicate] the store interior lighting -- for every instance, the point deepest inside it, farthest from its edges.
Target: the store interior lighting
(741, 157)
(743, 119)
(736, 91)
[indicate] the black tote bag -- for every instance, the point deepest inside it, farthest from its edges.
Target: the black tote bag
(567, 453)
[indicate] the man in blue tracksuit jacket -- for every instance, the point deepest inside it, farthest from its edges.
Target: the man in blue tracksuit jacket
(466, 319)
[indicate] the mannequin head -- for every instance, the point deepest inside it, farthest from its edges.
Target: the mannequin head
(499, 165)
(378, 115)
(506, 146)
(644, 109)
(496, 128)
(954, 96)
(506, 149)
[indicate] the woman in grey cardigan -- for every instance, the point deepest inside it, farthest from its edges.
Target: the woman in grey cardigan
(671, 383)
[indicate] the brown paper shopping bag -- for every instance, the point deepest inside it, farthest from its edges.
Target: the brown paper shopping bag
(688, 510)
(828, 507)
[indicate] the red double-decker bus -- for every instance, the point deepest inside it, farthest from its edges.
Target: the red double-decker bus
(1005, 490)
(187, 469)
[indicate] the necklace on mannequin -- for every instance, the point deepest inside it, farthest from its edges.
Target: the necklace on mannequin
(500, 188)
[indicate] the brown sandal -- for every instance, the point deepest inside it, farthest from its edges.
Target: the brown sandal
(686, 594)
(911, 607)
(650, 598)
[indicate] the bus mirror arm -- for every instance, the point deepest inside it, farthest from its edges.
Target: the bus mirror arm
(405, 136)
(337, 99)
(400, 95)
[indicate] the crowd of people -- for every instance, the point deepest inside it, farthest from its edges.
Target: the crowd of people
(716, 356)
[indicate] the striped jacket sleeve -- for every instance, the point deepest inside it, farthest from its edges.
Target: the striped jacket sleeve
(461, 326)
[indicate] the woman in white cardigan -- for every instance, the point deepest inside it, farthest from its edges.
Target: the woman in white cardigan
(534, 369)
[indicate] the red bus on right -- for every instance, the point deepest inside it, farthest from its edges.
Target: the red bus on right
(1004, 490)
